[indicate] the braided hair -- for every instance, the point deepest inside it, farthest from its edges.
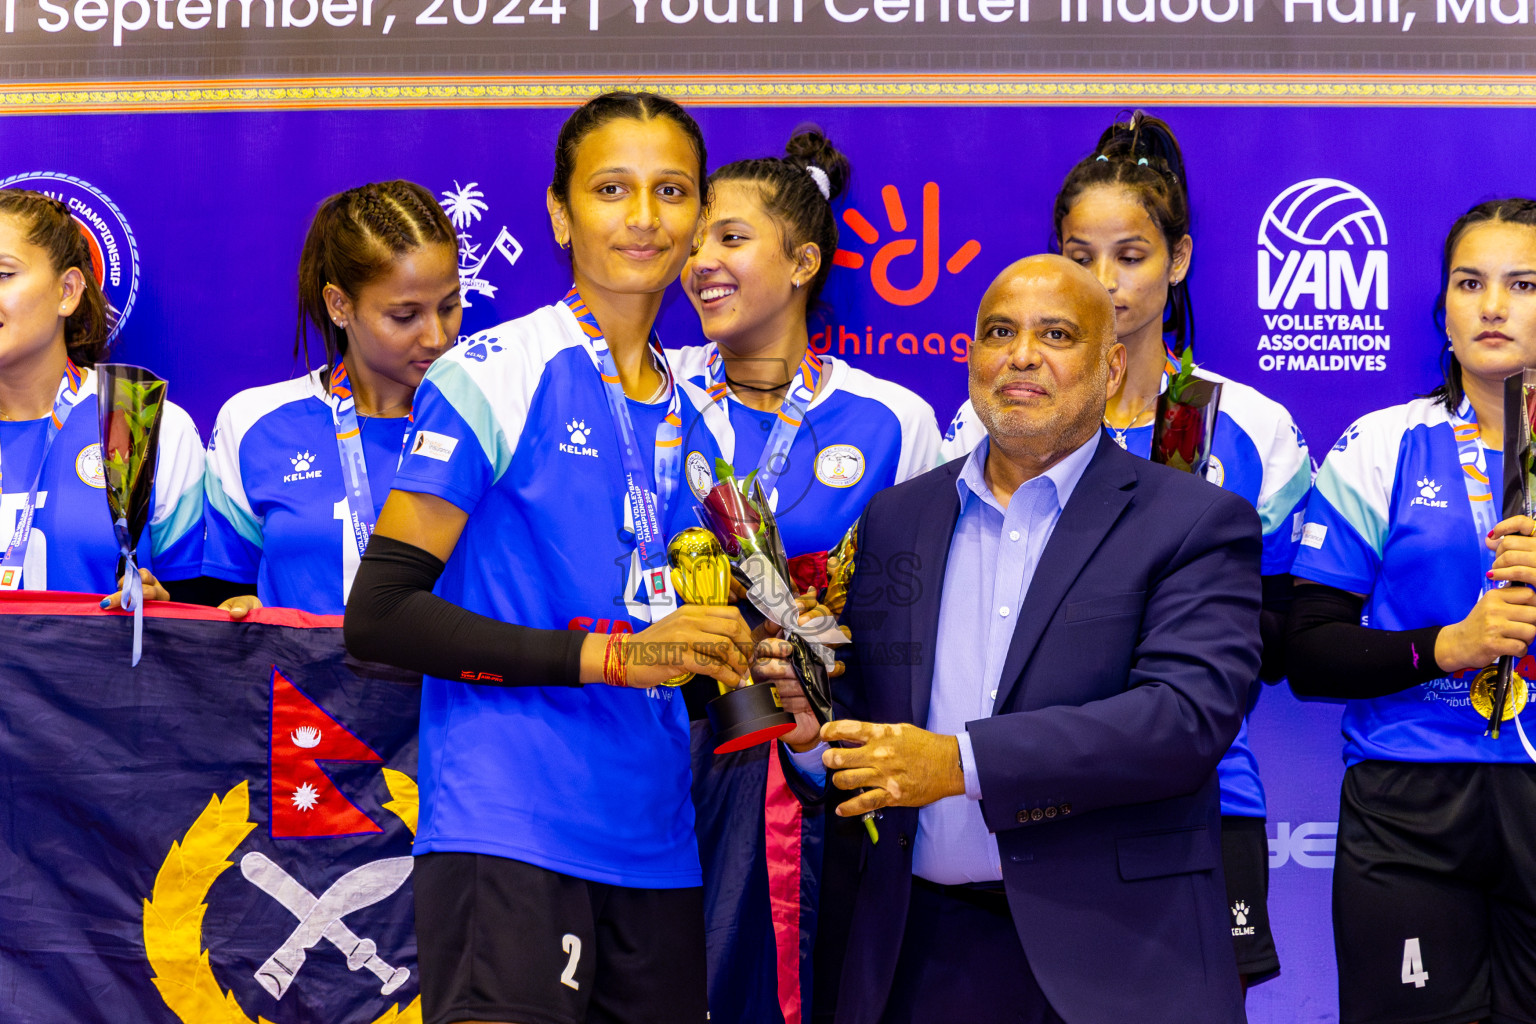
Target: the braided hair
(353, 239)
(1142, 157)
(1507, 211)
(790, 189)
(48, 224)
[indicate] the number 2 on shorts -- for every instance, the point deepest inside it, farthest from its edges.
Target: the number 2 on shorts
(1413, 964)
(572, 945)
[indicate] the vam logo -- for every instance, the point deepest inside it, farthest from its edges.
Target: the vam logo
(465, 204)
(1428, 490)
(1322, 239)
(896, 218)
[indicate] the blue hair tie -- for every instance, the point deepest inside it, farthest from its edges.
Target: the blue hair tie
(1142, 162)
(1101, 156)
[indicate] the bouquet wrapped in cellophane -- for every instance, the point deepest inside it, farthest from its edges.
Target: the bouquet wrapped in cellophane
(1185, 428)
(130, 400)
(737, 512)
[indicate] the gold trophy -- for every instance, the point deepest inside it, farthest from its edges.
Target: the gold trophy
(841, 574)
(701, 574)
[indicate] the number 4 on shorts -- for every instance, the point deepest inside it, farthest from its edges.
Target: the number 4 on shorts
(1413, 964)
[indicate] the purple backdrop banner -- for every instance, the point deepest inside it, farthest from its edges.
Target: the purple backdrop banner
(199, 218)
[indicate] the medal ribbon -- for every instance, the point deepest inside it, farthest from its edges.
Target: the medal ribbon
(646, 504)
(354, 464)
(64, 401)
(1474, 473)
(791, 412)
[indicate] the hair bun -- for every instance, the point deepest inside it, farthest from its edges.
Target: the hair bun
(808, 146)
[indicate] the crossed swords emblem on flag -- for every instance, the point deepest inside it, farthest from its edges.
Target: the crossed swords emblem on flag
(320, 917)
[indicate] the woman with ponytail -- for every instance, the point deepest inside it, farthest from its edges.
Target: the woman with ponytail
(1123, 212)
(823, 438)
(56, 531)
(298, 471)
(1408, 593)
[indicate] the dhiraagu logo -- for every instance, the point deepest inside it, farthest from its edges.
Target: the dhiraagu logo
(926, 246)
(906, 263)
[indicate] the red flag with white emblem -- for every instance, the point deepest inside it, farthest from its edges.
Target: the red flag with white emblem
(305, 803)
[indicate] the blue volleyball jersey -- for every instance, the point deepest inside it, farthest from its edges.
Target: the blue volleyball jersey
(1390, 519)
(276, 498)
(73, 546)
(1258, 452)
(514, 428)
(860, 435)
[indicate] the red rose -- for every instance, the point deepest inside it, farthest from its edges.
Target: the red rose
(1182, 429)
(808, 570)
(731, 518)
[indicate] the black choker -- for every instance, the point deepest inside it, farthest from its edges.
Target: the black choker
(754, 387)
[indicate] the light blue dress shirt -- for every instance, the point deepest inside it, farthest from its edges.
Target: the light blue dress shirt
(993, 554)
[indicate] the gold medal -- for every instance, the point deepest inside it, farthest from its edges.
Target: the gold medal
(1487, 681)
(701, 572)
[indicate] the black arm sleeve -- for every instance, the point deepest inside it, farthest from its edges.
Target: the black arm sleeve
(1278, 593)
(1329, 654)
(393, 617)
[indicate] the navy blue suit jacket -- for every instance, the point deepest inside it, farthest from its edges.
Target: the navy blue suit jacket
(1125, 682)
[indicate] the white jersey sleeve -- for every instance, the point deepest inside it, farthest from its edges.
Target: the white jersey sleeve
(965, 432)
(176, 523)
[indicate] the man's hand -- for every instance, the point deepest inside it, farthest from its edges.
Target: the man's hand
(898, 765)
(773, 664)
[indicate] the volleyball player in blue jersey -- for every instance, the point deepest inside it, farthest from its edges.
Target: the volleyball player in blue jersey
(1402, 601)
(298, 471)
(823, 437)
(1123, 212)
(557, 876)
(56, 529)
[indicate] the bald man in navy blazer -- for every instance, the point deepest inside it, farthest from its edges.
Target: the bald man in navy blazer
(1073, 631)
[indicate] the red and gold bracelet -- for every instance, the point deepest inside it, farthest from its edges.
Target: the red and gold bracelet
(614, 671)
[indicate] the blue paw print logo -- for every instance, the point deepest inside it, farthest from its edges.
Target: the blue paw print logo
(1349, 435)
(481, 349)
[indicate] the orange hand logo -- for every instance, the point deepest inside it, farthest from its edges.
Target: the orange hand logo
(896, 216)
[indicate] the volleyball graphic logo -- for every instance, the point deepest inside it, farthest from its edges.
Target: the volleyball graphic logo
(1325, 240)
(1321, 212)
(114, 250)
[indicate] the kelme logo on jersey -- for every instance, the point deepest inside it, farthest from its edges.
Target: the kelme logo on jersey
(1240, 925)
(839, 465)
(1428, 491)
(302, 461)
(1322, 279)
(465, 205)
(579, 434)
(88, 467)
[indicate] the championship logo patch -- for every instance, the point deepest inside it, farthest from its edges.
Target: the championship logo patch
(700, 479)
(88, 467)
(840, 465)
(114, 252)
(1215, 472)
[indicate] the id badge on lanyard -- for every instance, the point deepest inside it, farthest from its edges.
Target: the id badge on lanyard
(354, 464)
(647, 504)
(64, 401)
(791, 412)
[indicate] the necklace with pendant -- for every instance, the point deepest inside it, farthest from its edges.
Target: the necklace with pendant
(1118, 433)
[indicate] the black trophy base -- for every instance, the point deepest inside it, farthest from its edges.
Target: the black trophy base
(746, 717)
